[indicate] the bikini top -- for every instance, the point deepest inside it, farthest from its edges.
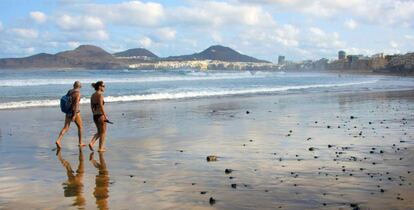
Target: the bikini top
(95, 105)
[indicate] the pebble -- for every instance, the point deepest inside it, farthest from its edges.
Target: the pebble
(212, 158)
(228, 171)
(354, 206)
(212, 201)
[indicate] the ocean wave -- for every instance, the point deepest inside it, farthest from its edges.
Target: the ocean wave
(179, 95)
(69, 81)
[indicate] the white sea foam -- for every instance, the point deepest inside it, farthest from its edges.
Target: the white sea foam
(192, 76)
(179, 95)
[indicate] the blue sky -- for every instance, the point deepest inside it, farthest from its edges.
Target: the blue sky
(298, 29)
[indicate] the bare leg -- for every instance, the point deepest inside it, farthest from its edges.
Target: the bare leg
(78, 121)
(93, 140)
(102, 135)
(95, 137)
(62, 132)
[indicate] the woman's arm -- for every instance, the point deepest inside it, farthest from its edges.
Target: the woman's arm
(75, 104)
(101, 104)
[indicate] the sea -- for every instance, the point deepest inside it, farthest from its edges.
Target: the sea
(21, 89)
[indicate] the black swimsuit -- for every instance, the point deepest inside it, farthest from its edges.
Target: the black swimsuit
(96, 117)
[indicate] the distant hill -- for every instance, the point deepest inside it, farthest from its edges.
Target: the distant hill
(93, 57)
(217, 52)
(41, 60)
(85, 56)
(136, 52)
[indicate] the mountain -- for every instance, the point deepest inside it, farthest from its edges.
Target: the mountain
(84, 56)
(34, 61)
(87, 53)
(217, 52)
(136, 52)
(93, 57)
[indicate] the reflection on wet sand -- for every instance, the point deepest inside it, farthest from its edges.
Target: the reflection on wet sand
(73, 187)
(101, 191)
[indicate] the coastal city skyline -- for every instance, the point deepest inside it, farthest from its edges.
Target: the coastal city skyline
(264, 29)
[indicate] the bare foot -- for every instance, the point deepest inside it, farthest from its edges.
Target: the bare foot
(58, 145)
(102, 150)
(90, 147)
(81, 145)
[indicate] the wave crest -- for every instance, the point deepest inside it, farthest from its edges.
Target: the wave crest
(178, 95)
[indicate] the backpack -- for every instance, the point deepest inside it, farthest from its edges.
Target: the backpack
(66, 103)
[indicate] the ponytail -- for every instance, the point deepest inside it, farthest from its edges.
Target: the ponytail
(97, 85)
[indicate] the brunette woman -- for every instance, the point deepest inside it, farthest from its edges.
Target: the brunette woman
(99, 116)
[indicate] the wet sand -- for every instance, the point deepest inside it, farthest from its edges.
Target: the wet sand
(296, 151)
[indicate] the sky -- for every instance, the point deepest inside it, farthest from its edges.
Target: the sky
(265, 29)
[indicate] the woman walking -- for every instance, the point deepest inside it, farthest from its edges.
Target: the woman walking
(73, 116)
(99, 116)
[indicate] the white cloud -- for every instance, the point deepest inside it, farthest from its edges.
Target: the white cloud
(217, 14)
(83, 28)
(166, 33)
(388, 12)
(128, 13)
(359, 51)
(409, 37)
(145, 42)
(72, 44)
(25, 33)
(95, 35)
(317, 32)
(52, 44)
(393, 44)
(29, 50)
(216, 36)
(351, 24)
(322, 40)
(68, 22)
(319, 8)
(287, 35)
(38, 17)
(1, 26)
(99, 35)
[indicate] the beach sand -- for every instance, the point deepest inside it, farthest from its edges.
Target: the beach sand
(294, 151)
